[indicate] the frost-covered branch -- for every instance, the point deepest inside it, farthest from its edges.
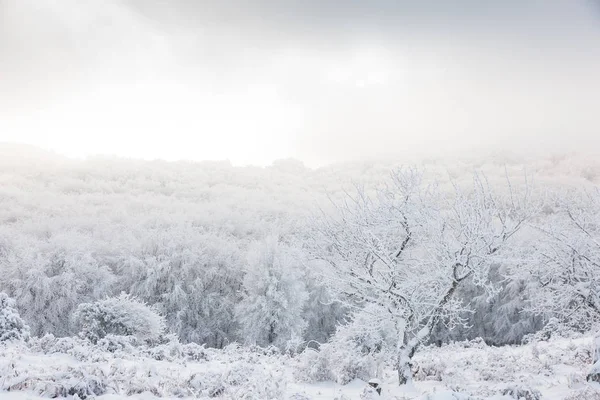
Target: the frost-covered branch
(406, 248)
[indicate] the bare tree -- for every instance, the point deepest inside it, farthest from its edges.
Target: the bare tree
(407, 247)
(566, 270)
(565, 266)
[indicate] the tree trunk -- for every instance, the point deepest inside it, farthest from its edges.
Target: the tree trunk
(406, 350)
(271, 335)
(404, 369)
(596, 349)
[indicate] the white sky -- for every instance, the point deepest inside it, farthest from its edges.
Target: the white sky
(321, 81)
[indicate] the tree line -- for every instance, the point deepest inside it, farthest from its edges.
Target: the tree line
(288, 256)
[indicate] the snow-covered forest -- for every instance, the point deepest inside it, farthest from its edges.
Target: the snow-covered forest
(287, 276)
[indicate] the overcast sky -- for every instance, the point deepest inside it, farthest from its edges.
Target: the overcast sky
(318, 80)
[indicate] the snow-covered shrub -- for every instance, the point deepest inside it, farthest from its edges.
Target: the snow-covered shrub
(122, 316)
(454, 365)
(209, 383)
(576, 379)
(169, 348)
(522, 393)
(587, 393)
(357, 350)
(53, 383)
(369, 393)
(271, 312)
(12, 326)
(79, 348)
(594, 374)
(265, 351)
(436, 370)
(49, 344)
(445, 395)
(429, 372)
(477, 343)
(240, 380)
(299, 396)
(339, 360)
(347, 366)
(114, 343)
(582, 355)
(254, 382)
(553, 329)
(312, 366)
(194, 352)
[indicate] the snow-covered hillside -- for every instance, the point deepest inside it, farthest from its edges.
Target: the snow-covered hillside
(75, 231)
(134, 278)
(111, 370)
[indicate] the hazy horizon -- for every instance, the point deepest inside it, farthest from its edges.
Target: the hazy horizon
(318, 81)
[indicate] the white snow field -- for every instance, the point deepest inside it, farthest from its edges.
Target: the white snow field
(112, 370)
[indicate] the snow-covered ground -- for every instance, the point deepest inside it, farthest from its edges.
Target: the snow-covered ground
(50, 367)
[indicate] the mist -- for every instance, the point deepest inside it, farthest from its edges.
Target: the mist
(300, 199)
(320, 81)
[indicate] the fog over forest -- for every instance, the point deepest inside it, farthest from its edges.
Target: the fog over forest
(300, 200)
(76, 231)
(319, 81)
